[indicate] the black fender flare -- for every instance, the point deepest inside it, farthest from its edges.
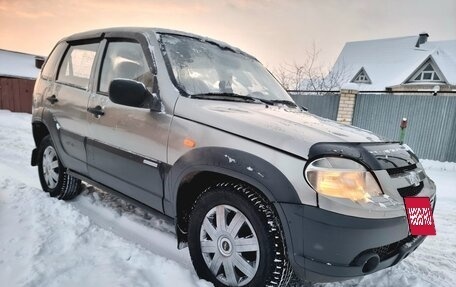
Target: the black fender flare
(50, 123)
(234, 163)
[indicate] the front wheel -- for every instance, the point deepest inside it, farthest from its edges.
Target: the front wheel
(235, 238)
(53, 176)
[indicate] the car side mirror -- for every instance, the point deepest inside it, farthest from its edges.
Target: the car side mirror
(128, 92)
(39, 61)
(133, 94)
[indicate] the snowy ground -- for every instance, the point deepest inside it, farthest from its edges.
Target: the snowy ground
(99, 240)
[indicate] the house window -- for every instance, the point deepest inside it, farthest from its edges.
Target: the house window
(361, 77)
(427, 73)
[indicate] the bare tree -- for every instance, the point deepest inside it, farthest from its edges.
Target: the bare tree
(310, 75)
(283, 76)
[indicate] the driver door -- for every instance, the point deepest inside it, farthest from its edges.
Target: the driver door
(126, 146)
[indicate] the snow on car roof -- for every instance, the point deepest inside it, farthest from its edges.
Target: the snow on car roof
(98, 33)
(390, 62)
(16, 64)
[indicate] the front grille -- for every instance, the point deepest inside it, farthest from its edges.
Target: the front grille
(399, 170)
(387, 251)
(411, 190)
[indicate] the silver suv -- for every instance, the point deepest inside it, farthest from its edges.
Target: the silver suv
(202, 132)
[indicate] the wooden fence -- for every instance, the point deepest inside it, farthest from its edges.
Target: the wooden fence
(16, 94)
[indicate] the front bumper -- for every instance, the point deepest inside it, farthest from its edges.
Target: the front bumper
(324, 246)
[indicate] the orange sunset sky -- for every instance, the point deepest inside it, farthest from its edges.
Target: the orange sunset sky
(272, 30)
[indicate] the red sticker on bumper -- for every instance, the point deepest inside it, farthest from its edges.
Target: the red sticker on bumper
(419, 215)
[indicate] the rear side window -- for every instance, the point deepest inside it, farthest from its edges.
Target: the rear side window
(124, 60)
(77, 65)
(52, 61)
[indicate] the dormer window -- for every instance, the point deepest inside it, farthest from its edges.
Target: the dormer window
(427, 73)
(361, 77)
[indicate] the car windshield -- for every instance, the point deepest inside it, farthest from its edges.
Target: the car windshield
(202, 68)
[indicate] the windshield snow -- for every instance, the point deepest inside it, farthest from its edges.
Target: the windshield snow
(202, 67)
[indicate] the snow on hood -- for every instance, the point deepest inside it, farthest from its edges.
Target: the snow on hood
(284, 128)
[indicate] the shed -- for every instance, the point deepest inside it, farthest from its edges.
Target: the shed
(17, 79)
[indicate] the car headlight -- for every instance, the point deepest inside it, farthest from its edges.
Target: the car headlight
(344, 178)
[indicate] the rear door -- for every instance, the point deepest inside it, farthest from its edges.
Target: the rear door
(68, 102)
(126, 146)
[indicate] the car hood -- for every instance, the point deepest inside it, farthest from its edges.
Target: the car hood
(287, 129)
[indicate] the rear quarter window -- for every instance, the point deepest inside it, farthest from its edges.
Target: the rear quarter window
(52, 62)
(76, 67)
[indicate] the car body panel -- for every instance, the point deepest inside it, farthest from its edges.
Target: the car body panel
(208, 137)
(288, 129)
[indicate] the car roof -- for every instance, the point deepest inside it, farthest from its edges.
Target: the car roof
(92, 34)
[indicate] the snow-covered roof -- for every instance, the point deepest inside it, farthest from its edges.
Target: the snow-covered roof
(16, 64)
(390, 62)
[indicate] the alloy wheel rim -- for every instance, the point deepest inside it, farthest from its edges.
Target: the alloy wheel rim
(50, 167)
(229, 245)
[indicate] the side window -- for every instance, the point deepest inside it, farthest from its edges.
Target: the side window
(77, 65)
(52, 61)
(124, 60)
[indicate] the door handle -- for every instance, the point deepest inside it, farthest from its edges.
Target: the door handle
(97, 111)
(52, 99)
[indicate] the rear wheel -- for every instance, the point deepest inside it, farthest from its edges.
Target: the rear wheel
(235, 238)
(52, 173)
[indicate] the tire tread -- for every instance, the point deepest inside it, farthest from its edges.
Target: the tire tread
(283, 271)
(69, 187)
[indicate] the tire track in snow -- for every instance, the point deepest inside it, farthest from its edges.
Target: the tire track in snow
(152, 231)
(111, 217)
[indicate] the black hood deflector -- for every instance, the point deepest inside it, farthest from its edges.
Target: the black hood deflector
(375, 156)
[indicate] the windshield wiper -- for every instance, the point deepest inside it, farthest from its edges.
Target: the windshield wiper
(285, 102)
(231, 97)
(236, 98)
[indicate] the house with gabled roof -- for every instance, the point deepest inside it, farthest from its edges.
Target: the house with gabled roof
(399, 64)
